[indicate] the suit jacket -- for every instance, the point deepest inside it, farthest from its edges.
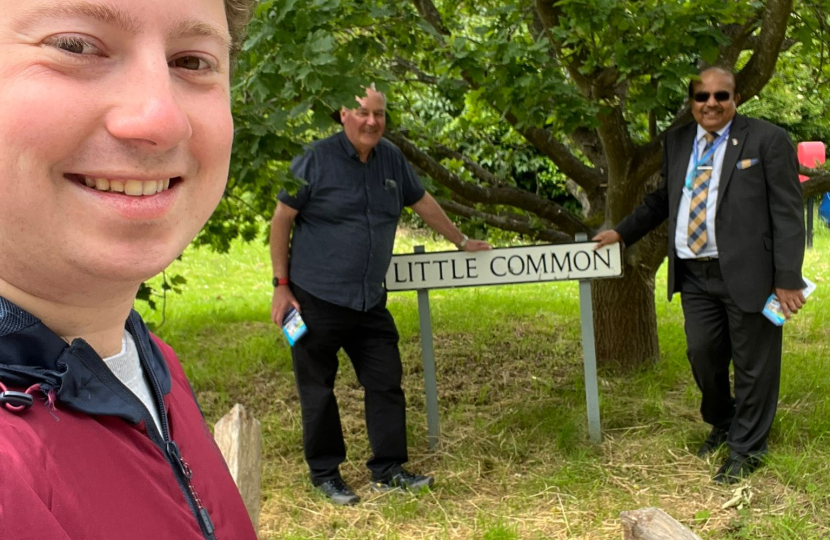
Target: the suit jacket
(759, 220)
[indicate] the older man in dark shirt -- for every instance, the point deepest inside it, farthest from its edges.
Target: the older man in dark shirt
(344, 222)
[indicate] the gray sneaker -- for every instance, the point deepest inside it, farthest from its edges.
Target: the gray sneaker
(338, 492)
(405, 480)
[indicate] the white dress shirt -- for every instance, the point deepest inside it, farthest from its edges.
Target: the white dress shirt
(681, 234)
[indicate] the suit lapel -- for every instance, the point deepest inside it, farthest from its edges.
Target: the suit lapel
(679, 166)
(734, 145)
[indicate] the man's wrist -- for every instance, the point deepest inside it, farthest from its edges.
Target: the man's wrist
(463, 243)
(277, 281)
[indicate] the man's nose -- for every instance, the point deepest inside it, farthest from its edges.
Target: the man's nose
(148, 109)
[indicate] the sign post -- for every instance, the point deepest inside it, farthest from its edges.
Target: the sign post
(428, 361)
(422, 271)
(589, 352)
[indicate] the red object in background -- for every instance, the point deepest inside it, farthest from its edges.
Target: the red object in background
(810, 154)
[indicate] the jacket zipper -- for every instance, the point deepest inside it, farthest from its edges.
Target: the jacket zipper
(181, 468)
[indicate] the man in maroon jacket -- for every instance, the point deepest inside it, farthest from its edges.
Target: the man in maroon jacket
(115, 141)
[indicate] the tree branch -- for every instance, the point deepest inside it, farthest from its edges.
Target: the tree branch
(477, 170)
(579, 194)
(549, 13)
(509, 196)
(760, 67)
(513, 222)
(738, 35)
(818, 183)
(589, 178)
(588, 141)
(599, 85)
(401, 65)
(430, 14)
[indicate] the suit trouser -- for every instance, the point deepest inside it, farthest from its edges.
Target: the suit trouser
(370, 339)
(717, 332)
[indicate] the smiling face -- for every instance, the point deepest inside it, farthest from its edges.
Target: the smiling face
(115, 136)
(712, 115)
(364, 125)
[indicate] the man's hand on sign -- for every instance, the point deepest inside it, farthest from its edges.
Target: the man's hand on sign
(606, 238)
(791, 300)
(477, 245)
(281, 302)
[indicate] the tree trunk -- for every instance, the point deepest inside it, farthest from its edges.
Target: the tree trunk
(625, 322)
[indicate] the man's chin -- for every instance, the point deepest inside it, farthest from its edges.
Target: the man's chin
(128, 264)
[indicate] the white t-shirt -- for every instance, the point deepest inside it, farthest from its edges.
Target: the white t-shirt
(127, 367)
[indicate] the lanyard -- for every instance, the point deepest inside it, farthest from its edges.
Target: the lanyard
(690, 178)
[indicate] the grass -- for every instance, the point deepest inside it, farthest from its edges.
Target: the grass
(514, 462)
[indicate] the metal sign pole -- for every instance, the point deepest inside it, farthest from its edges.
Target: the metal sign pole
(428, 359)
(586, 314)
(810, 203)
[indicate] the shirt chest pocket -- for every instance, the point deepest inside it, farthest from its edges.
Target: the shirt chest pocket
(387, 200)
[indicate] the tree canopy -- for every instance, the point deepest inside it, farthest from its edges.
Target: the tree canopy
(542, 117)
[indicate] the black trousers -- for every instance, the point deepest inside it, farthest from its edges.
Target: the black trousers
(370, 339)
(717, 332)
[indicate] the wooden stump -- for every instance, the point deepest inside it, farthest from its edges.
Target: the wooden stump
(239, 437)
(653, 524)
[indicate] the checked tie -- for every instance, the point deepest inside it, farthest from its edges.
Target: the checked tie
(697, 208)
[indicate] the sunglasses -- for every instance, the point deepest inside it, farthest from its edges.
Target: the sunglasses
(703, 97)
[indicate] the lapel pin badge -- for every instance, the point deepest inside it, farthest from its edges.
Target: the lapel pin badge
(734, 142)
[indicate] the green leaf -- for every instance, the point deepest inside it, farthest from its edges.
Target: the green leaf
(702, 515)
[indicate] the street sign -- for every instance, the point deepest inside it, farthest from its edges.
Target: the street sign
(525, 264)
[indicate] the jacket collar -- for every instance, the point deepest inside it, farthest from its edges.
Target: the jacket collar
(32, 354)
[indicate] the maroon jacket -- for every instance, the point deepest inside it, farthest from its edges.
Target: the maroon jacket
(94, 466)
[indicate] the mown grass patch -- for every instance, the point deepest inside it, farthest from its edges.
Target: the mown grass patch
(514, 461)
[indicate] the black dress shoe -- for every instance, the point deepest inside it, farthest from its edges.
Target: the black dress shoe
(736, 468)
(338, 492)
(714, 441)
(404, 480)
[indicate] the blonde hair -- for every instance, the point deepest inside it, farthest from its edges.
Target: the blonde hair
(238, 13)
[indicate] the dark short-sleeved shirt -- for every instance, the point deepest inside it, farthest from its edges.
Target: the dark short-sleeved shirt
(348, 214)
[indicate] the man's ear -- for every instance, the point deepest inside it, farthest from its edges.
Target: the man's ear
(342, 114)
(737, 99)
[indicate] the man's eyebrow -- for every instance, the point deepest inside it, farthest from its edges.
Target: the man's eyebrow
(122, 20)
(108, 14)
(190, 28)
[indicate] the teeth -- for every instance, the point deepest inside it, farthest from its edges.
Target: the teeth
(150, 187)
(135, 188)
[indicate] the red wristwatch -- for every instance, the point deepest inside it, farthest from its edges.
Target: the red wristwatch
(276, 282)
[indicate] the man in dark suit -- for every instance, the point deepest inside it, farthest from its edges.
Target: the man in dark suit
(731, 193)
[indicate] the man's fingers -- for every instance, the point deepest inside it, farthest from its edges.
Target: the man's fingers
(790, 300)
(605, 238)
(477, 245)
